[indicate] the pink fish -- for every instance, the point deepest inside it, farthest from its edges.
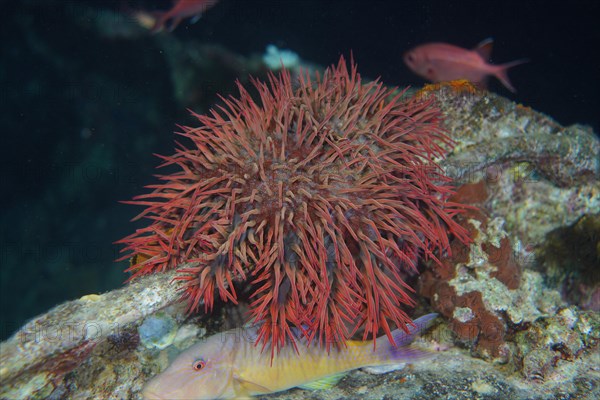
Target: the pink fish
(439, 62)
(181, 9)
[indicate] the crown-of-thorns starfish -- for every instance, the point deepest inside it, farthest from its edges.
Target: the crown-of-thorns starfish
(318, 195)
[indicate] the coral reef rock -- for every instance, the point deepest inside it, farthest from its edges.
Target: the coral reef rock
(506, 331)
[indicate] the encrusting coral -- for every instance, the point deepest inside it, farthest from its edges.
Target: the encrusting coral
(319, 196)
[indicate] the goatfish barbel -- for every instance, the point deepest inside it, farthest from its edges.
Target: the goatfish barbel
(229, 365)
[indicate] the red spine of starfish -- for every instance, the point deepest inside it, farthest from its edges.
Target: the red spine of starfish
(318, 195)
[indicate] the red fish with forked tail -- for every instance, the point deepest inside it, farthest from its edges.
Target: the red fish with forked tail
(439, 62)
(181, 9)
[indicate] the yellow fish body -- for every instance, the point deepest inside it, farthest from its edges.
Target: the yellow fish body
(229, 365)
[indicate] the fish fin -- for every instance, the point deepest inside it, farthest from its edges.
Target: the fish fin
(325, 383)
(160, 18)
(383, 369)
(484, 48)
(195, 18)
(174, 22)
(401, 350)
(144, 19)
(244, 387)
(502, 75)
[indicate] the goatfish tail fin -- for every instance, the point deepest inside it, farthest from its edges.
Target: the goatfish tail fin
(402, 350)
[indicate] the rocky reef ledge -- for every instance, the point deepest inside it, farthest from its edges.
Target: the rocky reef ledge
(519, 310)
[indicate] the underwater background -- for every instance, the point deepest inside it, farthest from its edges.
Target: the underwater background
(88, 96)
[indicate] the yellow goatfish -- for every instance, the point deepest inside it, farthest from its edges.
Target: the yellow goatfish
(229, 365)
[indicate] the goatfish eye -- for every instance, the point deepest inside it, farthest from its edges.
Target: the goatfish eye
(199, 364)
